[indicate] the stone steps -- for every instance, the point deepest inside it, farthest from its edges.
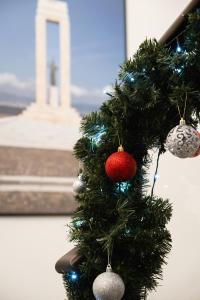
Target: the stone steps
(9, 183)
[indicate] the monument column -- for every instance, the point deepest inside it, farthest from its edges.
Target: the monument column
(40, 60)
(64, 63)
(53, 101)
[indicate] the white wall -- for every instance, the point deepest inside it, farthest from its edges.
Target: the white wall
(149, 18)
(29, 248)
(179, 178)
(179, 181)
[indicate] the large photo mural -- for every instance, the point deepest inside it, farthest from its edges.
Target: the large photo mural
(58, 60)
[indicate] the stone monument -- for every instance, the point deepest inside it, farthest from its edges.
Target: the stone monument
(53, 89)
(50, 122)
(53, 69)
(52, 103)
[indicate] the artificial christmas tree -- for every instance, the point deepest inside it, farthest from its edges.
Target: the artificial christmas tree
(119, 222)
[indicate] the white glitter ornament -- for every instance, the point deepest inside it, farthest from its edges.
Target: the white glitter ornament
(182, 140)
(78, 185)
(108, 286)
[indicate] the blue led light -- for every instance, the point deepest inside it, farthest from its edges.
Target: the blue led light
(178, 70)
(79, 223)
(124, 186)
(128, 78)
(128, 232)
(96, 138)
(178, 49)
(73, 276)
(157, 176)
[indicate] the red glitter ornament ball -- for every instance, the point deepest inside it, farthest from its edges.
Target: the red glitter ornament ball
(197, 153)
(120, 166)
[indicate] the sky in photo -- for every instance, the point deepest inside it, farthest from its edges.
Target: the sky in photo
(97, 48)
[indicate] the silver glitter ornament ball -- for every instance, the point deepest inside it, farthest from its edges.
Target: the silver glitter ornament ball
(108, 286)
(78, 185)
(183, 140)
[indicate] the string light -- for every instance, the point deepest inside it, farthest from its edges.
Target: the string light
(79, 223)
(178, 70)
(96, 138)
(124, 186)
(128, 232)
(129, 78)
(73, 276)
(178, 49)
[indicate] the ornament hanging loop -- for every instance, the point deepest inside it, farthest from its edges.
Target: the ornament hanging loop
(118, 127)
(109, 253)
(120, 148)
(119, 140)
(182, 116)
(185, 104)
(182, 122)
(109, 268)
(109, 258)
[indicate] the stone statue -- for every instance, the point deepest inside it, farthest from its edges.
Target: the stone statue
(53, 69)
